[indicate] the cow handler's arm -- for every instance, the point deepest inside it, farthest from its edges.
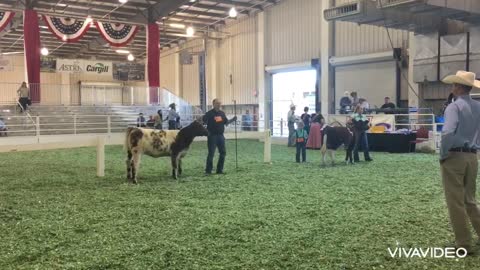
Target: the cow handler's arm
(228, 122)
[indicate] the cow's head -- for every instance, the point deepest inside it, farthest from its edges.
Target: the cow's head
(197, 129)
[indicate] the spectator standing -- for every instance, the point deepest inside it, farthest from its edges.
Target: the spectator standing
(291, 118)
(158, 120)
(315, 136)
(216, 120)
(306, 119)
(24, 96)
(173, 118)
(141, 120)
(247, 121)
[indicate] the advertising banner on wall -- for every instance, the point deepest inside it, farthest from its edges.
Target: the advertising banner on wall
(129, 71)
(69, 66)
(98, 67)
(48, 64)
(6, 64)
(103, 68)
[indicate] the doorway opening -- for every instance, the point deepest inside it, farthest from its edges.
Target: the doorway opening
(298, 88)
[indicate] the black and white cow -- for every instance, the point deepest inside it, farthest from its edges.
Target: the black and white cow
(160, 143)
(333, 138)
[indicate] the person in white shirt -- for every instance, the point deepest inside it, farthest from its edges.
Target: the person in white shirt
(291, 118)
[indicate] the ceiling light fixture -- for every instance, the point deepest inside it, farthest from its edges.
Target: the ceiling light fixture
(122, 51)
(123, 1)
(177, 25)
(190, 31)
(130, 57)
(233, 12)
(44, 51)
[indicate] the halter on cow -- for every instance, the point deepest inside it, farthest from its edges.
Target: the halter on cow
(160, 143)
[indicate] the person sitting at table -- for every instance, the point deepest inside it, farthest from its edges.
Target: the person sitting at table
(387, 104)
(3, 128)
(360, 126)
(315, 136)
(151, 122)
(345, 103)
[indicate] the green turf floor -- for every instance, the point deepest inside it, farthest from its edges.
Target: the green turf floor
(55, 214)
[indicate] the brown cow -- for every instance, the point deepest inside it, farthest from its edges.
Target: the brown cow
(160, 143)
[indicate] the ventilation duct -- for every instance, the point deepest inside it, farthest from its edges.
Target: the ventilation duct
(420, 16)
(425, 60)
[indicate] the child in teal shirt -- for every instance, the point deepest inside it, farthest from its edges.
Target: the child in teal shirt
(301, 136)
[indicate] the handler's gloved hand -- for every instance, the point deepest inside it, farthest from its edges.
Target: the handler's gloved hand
(234, 119)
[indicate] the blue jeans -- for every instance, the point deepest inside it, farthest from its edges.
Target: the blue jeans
(361, 140)
(301, 147)
(215, 141)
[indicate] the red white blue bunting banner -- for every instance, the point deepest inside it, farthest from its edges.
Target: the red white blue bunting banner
(117, 34)
(5, 18)
(67, 29)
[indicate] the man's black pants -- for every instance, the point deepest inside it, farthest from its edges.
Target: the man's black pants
(215, 141)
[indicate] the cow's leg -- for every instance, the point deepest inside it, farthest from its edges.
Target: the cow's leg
(324, 150)
(135, 165)
(179, 162)
(331, 153)
(129, 165)
(175, 166)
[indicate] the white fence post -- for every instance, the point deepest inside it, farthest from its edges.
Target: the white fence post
(37, 126)
(132, 101)
(101, 156)
(267, 153)
(75, 124)
(109, 124)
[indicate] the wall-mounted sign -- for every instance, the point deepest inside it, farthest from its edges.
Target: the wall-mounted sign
(48, 64)
(129, 71)
(6, 64)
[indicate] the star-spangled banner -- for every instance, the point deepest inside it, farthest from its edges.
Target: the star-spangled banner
(5, 18)
(67, 29)
(117, 34)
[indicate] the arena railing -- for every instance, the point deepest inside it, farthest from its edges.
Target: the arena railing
(80, 124)
(107, 94)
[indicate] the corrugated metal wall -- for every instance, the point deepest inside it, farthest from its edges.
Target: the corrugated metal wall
(353, 39)
(293, 31)
(168, 71)
(190, 82)
(237, 56)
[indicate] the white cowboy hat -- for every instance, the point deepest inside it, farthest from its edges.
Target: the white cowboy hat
(346, 93)
(464, 78)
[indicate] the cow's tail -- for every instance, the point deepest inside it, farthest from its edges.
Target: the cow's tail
(127, 136)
